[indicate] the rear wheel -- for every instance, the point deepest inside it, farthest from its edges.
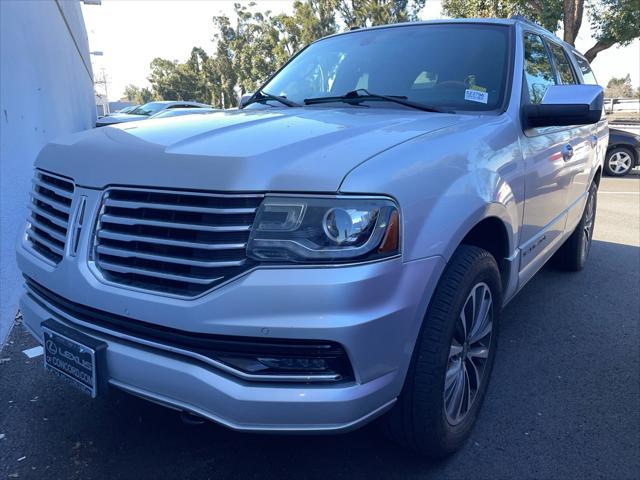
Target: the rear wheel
(453, 357)
(619, 162)
(572, 256)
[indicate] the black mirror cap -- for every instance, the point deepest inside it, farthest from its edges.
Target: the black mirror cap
(561, 115)
(557, 113)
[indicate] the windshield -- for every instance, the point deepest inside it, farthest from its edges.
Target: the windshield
(148, 108)
(453, 66)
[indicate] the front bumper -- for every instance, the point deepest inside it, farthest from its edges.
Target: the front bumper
(374, 311)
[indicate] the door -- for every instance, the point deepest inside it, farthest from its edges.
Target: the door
(549, 155)
(583, 142)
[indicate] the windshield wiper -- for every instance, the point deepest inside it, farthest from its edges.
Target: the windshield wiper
(261, 96)
(356, 96)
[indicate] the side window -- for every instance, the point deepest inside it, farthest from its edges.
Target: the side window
(537, 67)
(587, 74)
(563, 66)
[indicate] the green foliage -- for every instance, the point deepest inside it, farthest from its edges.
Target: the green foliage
(366, 13)
(251, 48)
(137, 95)
(612, 21)
(255, 44)
(547, 13)
(619, 88)
(617, 20)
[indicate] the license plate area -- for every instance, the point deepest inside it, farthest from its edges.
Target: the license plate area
(74, 356)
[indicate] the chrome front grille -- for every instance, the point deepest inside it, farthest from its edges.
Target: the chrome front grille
(181, 243)
(50, 207)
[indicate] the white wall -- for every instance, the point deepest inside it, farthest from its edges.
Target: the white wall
(46, 90)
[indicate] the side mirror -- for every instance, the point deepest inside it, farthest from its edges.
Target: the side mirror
(244, 99)
(566, 105)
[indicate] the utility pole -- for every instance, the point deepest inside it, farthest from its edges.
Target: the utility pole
(103, 80)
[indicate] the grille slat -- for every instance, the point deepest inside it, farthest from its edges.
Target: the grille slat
(118, 252)
(178, 225)
(165, 241)
(42, 240)
(180, 243)
(52, 202)
(50, 205)
(49, 216)
(51, 232)
(182, 208)
(154, 273)
(57, 190)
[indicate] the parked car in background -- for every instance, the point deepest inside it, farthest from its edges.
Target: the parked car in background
(127, 109)
(143, 112)
(338, 249)
(178, 112)
(623, 152)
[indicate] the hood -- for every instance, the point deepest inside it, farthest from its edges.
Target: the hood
(297, 149)
(120, 118)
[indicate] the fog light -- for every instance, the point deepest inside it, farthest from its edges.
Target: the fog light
(295, 364)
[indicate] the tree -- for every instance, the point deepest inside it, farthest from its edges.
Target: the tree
(252, 47)
(131, 92)
(137, 95)
(366, 13)
(619, 88)
(310, 20)
(613, 22)
(145, 96)
(545, 12)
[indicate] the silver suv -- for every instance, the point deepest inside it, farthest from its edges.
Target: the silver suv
(338, 248)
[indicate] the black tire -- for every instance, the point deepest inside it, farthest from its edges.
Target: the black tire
(572, 255)
(612, 169)
(419, 420)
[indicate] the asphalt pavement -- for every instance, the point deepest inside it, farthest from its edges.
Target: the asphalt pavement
(564, 401)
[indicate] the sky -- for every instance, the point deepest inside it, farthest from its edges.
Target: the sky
(131, 33)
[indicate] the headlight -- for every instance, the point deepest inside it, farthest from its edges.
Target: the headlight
(316, 230)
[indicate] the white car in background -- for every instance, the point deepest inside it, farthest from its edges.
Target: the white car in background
(147, 110)
(179, 112)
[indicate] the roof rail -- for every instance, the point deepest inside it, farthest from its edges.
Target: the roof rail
(524, 19)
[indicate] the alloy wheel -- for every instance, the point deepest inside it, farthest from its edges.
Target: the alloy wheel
(468, 353)
(620, 163)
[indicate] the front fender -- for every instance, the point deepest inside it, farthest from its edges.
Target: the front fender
(447, 182)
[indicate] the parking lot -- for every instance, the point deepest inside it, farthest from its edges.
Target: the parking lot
(564, 400)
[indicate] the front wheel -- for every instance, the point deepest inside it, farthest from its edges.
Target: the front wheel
(453, 357)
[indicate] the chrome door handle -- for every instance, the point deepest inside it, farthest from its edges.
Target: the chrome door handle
(594, 140)
(567, 152)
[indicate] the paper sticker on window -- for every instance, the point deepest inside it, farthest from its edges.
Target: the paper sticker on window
(476, 96)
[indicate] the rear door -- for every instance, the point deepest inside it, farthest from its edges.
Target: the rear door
(601, 129)
(583, 141)
(548, 169)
